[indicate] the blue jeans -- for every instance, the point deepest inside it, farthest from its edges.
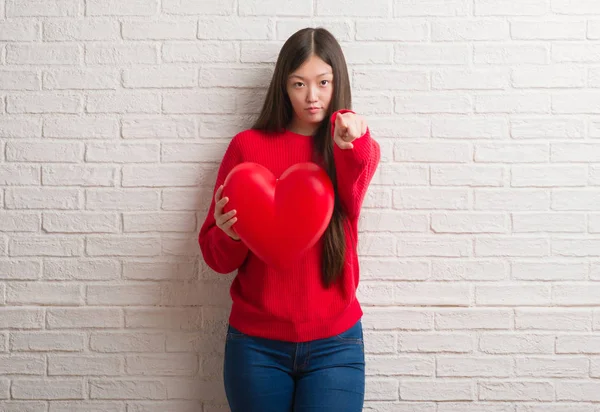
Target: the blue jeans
(263, 375)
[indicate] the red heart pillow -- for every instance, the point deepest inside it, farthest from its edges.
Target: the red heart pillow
(279, 219)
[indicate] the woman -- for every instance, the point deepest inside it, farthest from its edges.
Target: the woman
(295, 340)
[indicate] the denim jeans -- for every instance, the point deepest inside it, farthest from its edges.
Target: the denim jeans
(263, 375)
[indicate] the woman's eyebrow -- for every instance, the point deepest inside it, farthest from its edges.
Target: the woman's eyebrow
(302, 78)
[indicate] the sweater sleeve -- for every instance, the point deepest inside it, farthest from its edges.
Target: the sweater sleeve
(354, 168)
(222, 253)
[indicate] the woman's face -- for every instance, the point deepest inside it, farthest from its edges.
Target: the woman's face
(310, 88)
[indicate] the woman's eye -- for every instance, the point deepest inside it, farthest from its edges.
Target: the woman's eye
(298, 84)
(324, 82)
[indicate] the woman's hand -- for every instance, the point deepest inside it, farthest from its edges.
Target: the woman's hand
(224, 220)
(348, 127)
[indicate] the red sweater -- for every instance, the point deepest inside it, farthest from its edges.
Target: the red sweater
(291, 305)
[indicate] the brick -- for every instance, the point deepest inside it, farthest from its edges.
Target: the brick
(42, 8)
(400, 366)
(98, 79)
(22, 406)
(580, 391)
(164, 128)
(512, 295)
(575, 152)
(377, 245)
(198, 102)
(503, 246)
(54, 102)
(118, 8)
(394, 318)
(123, 295)
(21, 318)
(342, 30)
(159, 222)
(432, 247)
(127, 389)
(384, 30)
(166, 175)
(427, 103)
(556, 270)
(432, 54)
(263, 52)
(64, 54)
(476, 366)
(81, 30)
(579, 7)
(514, 199)
(508, 8)
(558, 407)
(469, 223)
(522, 343)
(432, 293)
(20, 127)
(234, 77)
(513, 103)
(47, 389)
(22, 364)
(469, 79)
(377, 79)
(373, 104)
(164, 318)
(585, 247)
(175, 405)
(158, 270)
(42, 293)
(548, 176)
(473, 407)
(123, 246)
(575, 199)
(159, 30)
(75, 175)
(122, 153)
(183, 364)
(235, 28)
(181, 77)
(516, 391)
(192, 152)
(555, 128)
(118, 199)
(511, 153)
(352, 8)
(44, 152)
(121, 54)
(575, 53)
(576, 294)
(473, 319)
(469, 30)
(19, 270)
(438, 390)
(19, 222)
(123, 102)
(563, 367)
(382, 389)
(194, 8)
(36, 198)
(467, 175)
(448, 8)
(81, 269)
(469, 127)
(42, 341)
(87, 365)
(117, 342)
(199, 52)
(88, 127)
(430, 198)
(46, 246)
(425, 342)
(548, 30)
(61, 318)
(393, 221)
(19, 79)
(80, 223)
(555, 77)
(510, 54)
(85, 406)
(453, 270)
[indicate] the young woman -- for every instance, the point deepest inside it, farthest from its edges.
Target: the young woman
(295, 340)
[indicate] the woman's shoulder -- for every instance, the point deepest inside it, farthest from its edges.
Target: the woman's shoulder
(250, 136)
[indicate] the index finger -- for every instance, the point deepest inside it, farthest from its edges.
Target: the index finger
(218, 194)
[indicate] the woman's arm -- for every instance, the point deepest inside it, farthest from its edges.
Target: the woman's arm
(221, 252)
(356, 157)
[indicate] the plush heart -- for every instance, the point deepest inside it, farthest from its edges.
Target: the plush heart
(279, 219)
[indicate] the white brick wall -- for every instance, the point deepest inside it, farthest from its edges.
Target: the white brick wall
(480, 244)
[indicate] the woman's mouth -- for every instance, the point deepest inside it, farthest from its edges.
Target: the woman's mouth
(313, 110)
